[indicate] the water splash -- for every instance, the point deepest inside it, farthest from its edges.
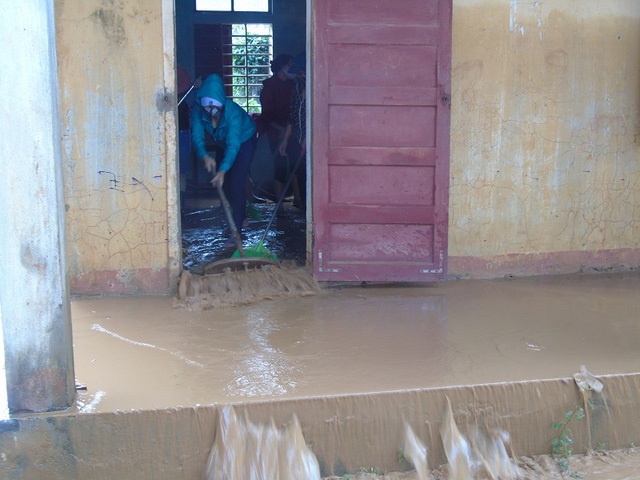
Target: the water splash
(85, 406)
(481, 450)
(490, 451)
(243, 450)
(477, 453)
(587, 381)
(415, 452)
(456, 448)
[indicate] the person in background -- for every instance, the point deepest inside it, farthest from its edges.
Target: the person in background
(234, 134)
(294, 143)
(275, 98)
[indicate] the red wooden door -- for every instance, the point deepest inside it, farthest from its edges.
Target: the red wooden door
(380, 111)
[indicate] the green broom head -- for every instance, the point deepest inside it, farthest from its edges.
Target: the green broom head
(256, 251)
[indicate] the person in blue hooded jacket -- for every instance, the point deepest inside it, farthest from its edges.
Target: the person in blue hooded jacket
(234, 134)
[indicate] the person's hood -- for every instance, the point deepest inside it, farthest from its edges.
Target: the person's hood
(212, 87)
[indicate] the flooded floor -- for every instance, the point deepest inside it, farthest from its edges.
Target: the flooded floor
(205, 232)
(140, 353)
(343, 376)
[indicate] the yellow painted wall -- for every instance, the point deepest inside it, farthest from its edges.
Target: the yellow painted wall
(545, 136)
(545, 139)
(118, 129)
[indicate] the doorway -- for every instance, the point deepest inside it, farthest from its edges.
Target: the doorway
(237, 45)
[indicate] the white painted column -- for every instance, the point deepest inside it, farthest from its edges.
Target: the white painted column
(174, 229)
(34, 298)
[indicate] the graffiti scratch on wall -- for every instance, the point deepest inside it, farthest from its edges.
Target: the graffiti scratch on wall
(121, 186)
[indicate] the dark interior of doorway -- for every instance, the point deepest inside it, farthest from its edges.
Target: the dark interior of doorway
(205, 236)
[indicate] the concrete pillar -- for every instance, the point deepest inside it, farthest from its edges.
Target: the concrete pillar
(34, 298)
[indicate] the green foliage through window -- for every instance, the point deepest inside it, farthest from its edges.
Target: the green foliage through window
(247, 63)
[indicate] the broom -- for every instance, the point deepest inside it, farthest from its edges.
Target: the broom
(259, 250)
(243, 287)
(260, 278)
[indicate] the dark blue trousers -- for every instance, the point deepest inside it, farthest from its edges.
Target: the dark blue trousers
(235, 178)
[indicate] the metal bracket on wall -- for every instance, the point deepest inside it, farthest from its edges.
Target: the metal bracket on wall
(321, 268)
(440, 268)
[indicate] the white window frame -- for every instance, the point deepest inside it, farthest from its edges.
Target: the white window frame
(262, 6)
(243, 75)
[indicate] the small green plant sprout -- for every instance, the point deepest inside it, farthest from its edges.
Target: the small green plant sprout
(562, 444)
(372, 470)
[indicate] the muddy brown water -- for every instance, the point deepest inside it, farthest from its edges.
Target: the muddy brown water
(353, 362)
(355, 340)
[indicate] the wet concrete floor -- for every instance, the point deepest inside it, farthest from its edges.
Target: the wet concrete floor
(140, 353)
(206, 236)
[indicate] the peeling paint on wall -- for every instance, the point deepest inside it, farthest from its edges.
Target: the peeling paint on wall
(114, 108)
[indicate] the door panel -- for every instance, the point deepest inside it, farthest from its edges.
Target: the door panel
(394, 243)
(381, 83)
(375, 126)
(382, 66)
(387, 12)
(388, 185)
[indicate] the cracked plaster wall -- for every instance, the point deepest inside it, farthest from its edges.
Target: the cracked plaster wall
(115, 115)
(545, 139)
(545, 133)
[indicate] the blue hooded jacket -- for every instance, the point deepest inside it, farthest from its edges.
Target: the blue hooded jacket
(235, 126)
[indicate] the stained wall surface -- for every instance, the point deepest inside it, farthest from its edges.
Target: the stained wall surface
(545, 140)
(118, 150)
(545, 136)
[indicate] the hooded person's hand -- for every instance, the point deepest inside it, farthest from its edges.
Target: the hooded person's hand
(210, 166)
(209, 163)
(218, 180)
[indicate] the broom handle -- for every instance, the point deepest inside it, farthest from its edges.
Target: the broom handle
(185, 95)
(227, 211)
(284, 192)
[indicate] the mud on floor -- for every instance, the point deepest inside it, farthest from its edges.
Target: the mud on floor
(612, 465)
(205, 233)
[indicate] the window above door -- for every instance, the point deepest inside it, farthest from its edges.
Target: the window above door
(232, 5)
